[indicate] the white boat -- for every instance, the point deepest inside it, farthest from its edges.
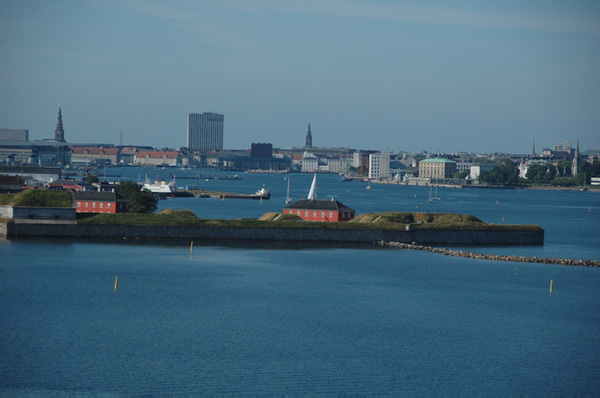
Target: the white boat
(161, 187)
(263, 192)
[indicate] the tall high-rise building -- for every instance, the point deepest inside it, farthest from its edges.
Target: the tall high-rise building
(205, 131)
(59, 133)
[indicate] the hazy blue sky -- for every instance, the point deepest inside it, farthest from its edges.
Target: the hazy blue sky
(401, 75)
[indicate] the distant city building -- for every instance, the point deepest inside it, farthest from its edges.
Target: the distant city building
(14, 135)
(436, 168)
(463, 166)
(379, 165)
(564, 147)
(59, 133)
(310, 163)
(360, 160)
(15, 148)
(329, 210)
(205, 132)
(308, 138)
(157, 158)
(478, 168)
(261, 150)
(91, 155)
(339, 164)
(36, 174)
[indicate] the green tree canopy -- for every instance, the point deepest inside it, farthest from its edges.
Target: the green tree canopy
(506, 173)
(140, 200)
(92, 178)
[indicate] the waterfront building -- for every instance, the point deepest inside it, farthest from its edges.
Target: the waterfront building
(32, 175)
(328, 210)
(436, 168)
(100, 202)
(205, 131)
(379, 165)
(15, 148)
(463, 166)
(87, 155)
(310, 163)
(157, 158)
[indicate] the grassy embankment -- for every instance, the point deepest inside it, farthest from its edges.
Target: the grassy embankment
(371, 221)
(37, 198)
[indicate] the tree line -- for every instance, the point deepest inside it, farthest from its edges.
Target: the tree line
(507, 173)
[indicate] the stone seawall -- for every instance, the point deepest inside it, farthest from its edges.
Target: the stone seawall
(494, 257)
(275, 234)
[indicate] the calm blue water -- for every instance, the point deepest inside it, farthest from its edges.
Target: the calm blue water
(247, 318)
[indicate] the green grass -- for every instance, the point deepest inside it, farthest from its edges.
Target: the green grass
(372, 221)
(37, 198)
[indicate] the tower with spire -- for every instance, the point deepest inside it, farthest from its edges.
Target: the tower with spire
(533, 152)
(59, 133)
(575, 163)
(308, 138)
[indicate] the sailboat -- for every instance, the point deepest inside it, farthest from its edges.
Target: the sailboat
(288, 199)
(431, 197)
(312, 194)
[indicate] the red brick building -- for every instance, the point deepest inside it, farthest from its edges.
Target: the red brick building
(329, 210)
(100, 202)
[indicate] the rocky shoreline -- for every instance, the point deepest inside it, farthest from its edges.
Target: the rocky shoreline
(495, 257)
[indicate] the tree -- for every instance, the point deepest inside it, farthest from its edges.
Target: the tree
(461, 175)
(140, 200)
(92, 179)
(506, 173)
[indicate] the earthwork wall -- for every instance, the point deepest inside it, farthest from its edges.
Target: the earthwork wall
(275, 234)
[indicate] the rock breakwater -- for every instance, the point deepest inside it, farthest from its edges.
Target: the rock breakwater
(495, 257)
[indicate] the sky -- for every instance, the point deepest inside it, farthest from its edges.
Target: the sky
(438, 76)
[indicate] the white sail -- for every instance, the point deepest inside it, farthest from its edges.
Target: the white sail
(311, 193)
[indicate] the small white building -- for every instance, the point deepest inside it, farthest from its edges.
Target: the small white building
(477, 168)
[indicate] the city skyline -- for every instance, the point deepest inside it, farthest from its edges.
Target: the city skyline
(400, 76)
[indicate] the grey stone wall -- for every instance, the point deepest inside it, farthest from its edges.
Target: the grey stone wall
(276, 234)
(6, 211)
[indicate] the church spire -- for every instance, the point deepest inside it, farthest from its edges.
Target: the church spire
(575, 163)
(59, 133)
(308, 137)
(533, 153)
